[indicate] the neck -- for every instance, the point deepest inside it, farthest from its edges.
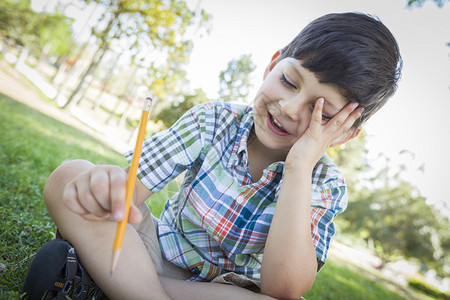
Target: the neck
(259, 154)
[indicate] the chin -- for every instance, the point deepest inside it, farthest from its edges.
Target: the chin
(275, 144)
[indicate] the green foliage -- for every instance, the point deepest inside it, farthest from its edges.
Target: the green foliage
(428, 289)
(14, 20)
(389, 213)
(172, 111)
(235, 79)
(31, 147)
(157, 201)
(351, 160)
(234, 86)
(27, 28)
(155, 34)
(56, 31)
(393, 217)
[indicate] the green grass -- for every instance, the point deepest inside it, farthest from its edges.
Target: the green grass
(32, 145)
(337, 282)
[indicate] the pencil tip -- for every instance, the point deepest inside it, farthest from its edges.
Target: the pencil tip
(115, 257)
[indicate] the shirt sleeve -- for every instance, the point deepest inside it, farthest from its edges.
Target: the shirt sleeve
(168, 153)
(328, 199)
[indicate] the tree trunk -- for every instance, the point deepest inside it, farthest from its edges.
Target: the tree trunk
(88, 75)
(86, 79)
(22, 57)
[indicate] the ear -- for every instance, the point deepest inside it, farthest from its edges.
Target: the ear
(352, 133)
(272, 64)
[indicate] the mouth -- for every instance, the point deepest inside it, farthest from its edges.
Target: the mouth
(275, 126)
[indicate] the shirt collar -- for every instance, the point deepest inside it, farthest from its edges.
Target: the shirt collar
(239, 152)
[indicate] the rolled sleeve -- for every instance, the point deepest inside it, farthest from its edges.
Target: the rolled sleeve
(168, 153)
(328, 199)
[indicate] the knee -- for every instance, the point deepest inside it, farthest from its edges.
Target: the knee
(54, 188)
(50, 193)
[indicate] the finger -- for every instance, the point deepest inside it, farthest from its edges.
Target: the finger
(351, 119)
(118, 181)
(343, 138)
(99, 183)
(86, 199)
(316, 118)
(335, 124)
(347, 130)
(70, 198)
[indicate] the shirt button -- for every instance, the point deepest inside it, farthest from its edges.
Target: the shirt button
(240, 199)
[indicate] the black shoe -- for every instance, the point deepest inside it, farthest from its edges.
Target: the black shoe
(55, 273)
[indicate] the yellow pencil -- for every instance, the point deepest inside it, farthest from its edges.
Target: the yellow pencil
(121, 226)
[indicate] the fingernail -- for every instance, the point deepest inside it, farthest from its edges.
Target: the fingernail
(354, 105)
(360, 110)
(118, 215)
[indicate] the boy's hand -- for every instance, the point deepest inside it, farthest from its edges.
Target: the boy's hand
(99, 194)
(319, 137)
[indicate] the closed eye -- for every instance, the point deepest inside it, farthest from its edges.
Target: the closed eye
(286, 82)
(325, 119)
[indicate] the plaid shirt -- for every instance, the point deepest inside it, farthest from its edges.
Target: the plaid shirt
(219, 220)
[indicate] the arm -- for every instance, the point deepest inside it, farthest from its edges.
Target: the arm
(98, 192)
(95, 192)
(289, 263)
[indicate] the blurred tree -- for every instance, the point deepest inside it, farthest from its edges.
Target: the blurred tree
(388, 212)
(397, 222)
(170, 112)
(351, 160)
(17, 22)
(55, 32)
(22, 26)
(160, 25)
(235, 79)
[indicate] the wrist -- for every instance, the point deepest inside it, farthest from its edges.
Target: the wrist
(299, 167)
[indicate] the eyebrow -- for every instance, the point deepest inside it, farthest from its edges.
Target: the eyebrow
(296, 70)
(331, 104)
(334, 107)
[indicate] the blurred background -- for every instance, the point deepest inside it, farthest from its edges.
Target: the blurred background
(90, 64)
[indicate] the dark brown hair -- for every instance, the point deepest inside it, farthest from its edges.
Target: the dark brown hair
(353, 51)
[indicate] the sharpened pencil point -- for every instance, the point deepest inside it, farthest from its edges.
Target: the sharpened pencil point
(114, 259)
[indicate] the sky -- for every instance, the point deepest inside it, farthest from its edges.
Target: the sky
(415, 119)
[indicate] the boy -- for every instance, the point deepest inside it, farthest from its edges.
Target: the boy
(259, 196)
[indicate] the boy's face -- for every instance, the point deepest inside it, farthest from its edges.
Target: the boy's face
(285, 101)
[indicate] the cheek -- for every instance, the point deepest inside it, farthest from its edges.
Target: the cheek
(304, 125)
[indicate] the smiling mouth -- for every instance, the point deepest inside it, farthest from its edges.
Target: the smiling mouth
(275, 126)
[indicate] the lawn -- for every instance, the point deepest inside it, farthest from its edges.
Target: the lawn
(32, 145)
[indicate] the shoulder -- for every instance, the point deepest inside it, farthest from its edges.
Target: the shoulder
(326, 172)
(219, 116)
(329, 188)
(217, 108)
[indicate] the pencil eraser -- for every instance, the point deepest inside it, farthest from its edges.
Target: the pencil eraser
(148, 103)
